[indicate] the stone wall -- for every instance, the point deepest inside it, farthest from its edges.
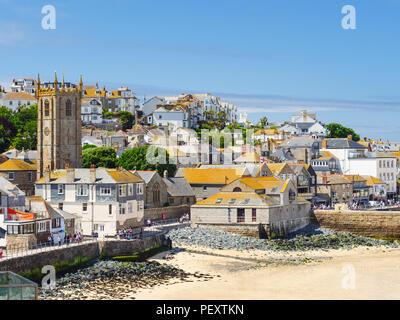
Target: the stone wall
(21, 241)
(256, 230)
(92, 250)
(172, 212)
(385, 224)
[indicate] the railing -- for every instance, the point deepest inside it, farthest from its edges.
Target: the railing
(14, 251)
(156, 227)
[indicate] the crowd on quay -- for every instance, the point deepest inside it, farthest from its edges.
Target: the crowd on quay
(360, 206)
(128, 234)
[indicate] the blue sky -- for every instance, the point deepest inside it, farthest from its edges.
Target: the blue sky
(271, 58)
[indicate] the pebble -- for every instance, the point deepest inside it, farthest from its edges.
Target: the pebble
(307, 238)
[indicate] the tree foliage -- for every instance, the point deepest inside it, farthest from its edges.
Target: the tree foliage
(88, 146)
(138, 158)
(336, 130)
(18, 128)
(99, 156)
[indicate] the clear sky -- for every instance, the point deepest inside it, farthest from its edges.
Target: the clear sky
(271, 58)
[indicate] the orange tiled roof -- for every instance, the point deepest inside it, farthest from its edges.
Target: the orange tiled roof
(18, 164)
(19, 96)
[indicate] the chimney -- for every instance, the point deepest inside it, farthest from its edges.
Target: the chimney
(165, 174)
(46, 174)
(70, 174)
(92, 173)
(324, 144)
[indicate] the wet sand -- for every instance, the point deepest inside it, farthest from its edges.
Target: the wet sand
(360, 273)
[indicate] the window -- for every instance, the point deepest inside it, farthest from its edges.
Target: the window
(11, 176)
(56, 223)
(105, 191)
(83, 190)
(30, 176)
(41, 226)
(121, 209)
(110, 209)
(122, 190)
(84, 207)
(253, 215)
(204, 188)
(139, 188)
(60, 189)
(240, 215)
(12, 229)
(28, 228)
(139, 205)
(129, 207)
(46, 108)
(237, 189)
(60, 206)
(171, 200)
(68, 108)
(130, 189)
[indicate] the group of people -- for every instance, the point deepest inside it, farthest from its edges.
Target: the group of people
(128, 234)
(69, 238)
(184, 218)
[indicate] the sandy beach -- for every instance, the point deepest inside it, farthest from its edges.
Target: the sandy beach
(359, 273)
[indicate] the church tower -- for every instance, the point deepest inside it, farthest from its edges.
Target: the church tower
(59, 127)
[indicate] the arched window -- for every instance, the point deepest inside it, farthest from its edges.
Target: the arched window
(156, 195)
(68, 108)
(237, 189)
(46, 108)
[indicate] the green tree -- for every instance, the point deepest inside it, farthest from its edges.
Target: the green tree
(336, 130)
(263, 121)
(88, 146)
(7, 133)
(101, 157)
(126, 119)
(137, 158)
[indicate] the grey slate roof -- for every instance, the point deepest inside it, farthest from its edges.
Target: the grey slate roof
(146, 175)
(343, 143)
(178, 187)
(283, 155)
(9, 189)
(298, 142)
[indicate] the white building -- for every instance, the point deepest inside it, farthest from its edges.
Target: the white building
(13, 100)
(355, 158)
(24, 85)
(149, 106)
(91, 110)
(171, 115)
(106, 200)
(377, 164)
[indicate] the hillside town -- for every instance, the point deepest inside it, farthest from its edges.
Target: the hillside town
(91, 174)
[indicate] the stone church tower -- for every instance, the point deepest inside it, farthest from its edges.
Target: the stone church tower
(59, 142)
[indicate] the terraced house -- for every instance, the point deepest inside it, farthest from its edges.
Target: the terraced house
(21, 172)
(106, 200)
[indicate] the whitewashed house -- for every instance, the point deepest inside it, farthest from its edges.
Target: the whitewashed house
(106, 200)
